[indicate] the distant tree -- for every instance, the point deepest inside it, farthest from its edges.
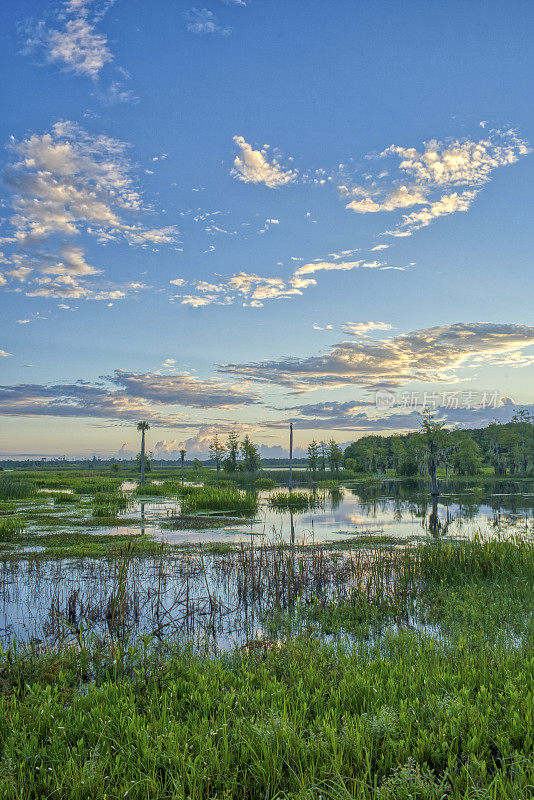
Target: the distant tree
(313, 457)
(434, 438)
(217, 450)
(143, 427)
(232, 448)
(147, 461)
(251, 457)
(524, 429)
(323, 451)
(182, 459)
(335, 456)
(466, 458)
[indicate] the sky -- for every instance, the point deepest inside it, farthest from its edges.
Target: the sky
(252, 212)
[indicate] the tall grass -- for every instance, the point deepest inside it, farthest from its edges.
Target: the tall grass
(294, 500)
(10, 528)
(109, 504)
(212, 499)
(15, 488)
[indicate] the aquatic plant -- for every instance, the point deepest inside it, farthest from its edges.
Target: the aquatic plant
(213, 499)
(15, 488)
(10, 527)
(109, 504)
(294, 500)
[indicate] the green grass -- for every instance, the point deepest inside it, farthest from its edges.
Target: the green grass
(15, 488)
(213, 499)
(293, 500)
(107, 505)
(396, 713)
(10, 528)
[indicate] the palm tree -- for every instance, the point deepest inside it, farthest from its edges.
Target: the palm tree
(143, 427)
(182, 456)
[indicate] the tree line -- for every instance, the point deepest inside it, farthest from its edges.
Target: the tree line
(507, 448)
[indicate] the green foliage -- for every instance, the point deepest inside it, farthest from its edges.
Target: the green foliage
(293, 500)
(10, 528)
(250, 455)
(109, 504)
(264, 483)
(213, 499)
(13, 487)
(313, 457)
(148, 463)
(508, 449)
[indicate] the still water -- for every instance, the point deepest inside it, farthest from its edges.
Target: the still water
(205, 597)
(400, 509)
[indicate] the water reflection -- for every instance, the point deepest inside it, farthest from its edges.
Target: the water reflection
(401, 509)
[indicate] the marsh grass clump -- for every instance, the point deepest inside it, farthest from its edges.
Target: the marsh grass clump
(63, 498)
(109, 504)
(478, 559)
(170, 488)
(264, 483)
(300, 501)
(212, 499)
(11, 528)
(15, 488)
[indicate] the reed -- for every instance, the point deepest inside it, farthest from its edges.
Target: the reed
(15, 488)
(213, 499)
(294, 500)
(109, 504)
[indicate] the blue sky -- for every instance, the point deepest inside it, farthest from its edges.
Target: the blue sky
(193, 195)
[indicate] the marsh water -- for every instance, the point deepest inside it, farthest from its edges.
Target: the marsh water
(204, 594)
(400, 509)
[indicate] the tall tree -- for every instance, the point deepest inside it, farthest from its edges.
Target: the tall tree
(335, 456)
(323, 449)
(182, 457)
(313, 457)
(232, 448)
(143, 427)
(434, 437)
(466, 457)
(217, 450)
(251, 457)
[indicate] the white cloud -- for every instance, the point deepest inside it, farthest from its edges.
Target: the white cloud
(66, 183)
(363, 328)
(462, 161)
(464, 166)
(252, 166)
(3, 354)
(76, 46)
(448, 204)
(380, 247)
(255, 289)
(320, 266)
(401, 197)
(124, 396)
(430, 355)
(202, 21)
